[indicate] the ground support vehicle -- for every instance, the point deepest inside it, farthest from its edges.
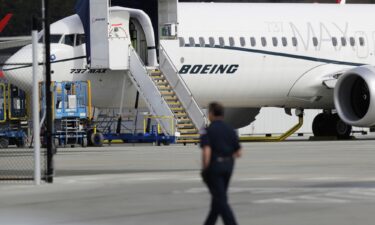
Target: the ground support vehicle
(14, 126)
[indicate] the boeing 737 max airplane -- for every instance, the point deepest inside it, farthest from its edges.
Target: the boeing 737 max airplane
(247, 56)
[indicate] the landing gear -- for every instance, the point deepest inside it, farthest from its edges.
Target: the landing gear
(330, 125)
(343, 130)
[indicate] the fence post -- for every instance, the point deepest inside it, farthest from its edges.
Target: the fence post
(49, 122)
(35, 102)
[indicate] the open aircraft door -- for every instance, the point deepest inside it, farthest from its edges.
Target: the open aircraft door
(109, 35)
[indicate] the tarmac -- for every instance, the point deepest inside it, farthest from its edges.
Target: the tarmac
(289, 183)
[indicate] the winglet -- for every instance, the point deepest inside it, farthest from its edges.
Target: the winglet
(342, 2)
(5, 21)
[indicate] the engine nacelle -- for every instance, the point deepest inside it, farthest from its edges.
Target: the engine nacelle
(240, 117)
(354, 96)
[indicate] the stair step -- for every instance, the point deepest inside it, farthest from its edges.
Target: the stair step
(164, 88)
(185, 125)
(167, 93)
(185, 120)
(170, 98)
(161, 82)
(179, 109)
(158, 78)
(181, 114)
(174, 103)
(187, 141)
(155, 72)
(190, 136)
(188, 131)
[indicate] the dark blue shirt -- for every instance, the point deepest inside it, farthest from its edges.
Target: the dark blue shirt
(222, 139)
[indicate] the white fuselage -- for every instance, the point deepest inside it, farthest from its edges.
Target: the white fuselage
(280, 54)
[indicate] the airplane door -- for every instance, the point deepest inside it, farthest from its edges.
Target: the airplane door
(119, 40)
(138, 40)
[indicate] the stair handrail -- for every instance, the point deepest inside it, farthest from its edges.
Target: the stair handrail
(175, 69)
(152, 109)
(163, 52)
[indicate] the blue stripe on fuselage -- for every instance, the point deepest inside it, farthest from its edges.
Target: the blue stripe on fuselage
(308, 58)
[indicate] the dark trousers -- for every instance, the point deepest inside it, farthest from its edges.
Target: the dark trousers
(217, 179)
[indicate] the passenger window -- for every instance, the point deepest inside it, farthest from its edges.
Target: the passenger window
(191, 42)
(221, 41)
(231, 41)
(284, 41)
(343, 41)
(69, 39)
(274, 41)
(202, 42)
(242, 41)
(253, 42)
(361, 41)
(352, 41)
(264, 41)
(212, 41)
(80, 39)
(182, 41)
(315, 41)
(294, 41)
(334, 41)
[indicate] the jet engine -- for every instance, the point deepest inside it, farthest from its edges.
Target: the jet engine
(240, 117)
(354, 96)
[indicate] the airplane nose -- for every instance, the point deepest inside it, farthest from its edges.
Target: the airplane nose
(18, 69)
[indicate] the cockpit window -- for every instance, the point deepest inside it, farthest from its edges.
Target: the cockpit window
(69, 39)
(80, 39)
(55, 38)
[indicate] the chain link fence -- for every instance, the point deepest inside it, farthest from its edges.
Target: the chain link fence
(17, 164)
(16, 152)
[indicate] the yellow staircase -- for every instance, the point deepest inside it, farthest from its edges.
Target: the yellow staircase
(189, 133)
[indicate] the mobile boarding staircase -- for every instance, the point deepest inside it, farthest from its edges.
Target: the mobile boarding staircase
(167, 95)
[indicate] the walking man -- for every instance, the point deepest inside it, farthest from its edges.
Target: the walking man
(220, 148)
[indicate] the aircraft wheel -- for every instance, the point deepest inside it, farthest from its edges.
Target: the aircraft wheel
(321, 125)
(343, 130)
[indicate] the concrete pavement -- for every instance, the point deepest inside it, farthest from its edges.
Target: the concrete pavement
(287, 183)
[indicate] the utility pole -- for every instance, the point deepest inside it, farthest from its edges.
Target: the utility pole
(48, 91)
